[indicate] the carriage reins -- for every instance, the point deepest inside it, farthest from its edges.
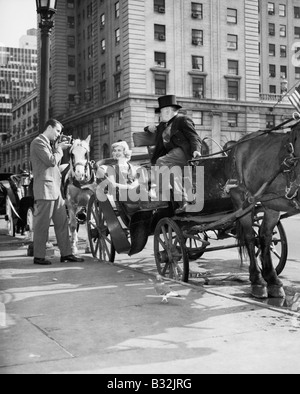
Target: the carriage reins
(263, 132)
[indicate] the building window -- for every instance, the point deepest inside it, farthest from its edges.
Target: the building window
(160, 85)
(71, 4)
(71, 80)
(297, 72)
(71, 61)
(283, 51)
(117, 9)
(103, 46)
(90, 73)
(102, 21)
(272, 70)
(233, 67)
(271, 29)
(297, 32)
(160, 59)
(90, 31)
(282, 10)
(159, 6)
(272, 89)
(270, 121)
(232, 16)
(103, 72)
(283, 72)
(118, 63)
(90, 52)
(71, 22)
(71, 42)
(297, 12)
(90, 10)
(232, 42)
(233, 89)
(103, 92)
(117, 37)
(271, 8)
(198, 63)
(160, 32)
(232, 118)
(272, 50)
(197, 37)
(282, 30)
(117, 86)
(197, 10)
(198, 88)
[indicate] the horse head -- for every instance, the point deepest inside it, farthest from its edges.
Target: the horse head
(80, 160)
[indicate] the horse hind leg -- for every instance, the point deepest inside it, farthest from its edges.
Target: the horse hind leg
(275, 286)
(246, 239)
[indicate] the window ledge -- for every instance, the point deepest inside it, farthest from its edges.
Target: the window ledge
(160, 70)
(198, 73)
(232, 77)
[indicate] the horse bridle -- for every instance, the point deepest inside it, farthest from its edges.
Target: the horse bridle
(86, 164)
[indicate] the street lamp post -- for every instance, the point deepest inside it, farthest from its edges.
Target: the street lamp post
(46, 9)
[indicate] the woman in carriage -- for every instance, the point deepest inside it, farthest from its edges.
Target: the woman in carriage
(128, 183)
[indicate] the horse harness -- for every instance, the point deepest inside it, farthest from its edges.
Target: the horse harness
(68, 177)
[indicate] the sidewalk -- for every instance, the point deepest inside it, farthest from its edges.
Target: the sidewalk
(105, 318)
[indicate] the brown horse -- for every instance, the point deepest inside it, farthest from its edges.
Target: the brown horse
(264, 167)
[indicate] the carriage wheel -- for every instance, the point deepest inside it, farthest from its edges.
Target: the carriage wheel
(10, 219)
(99, 237)
(29, 220)
(171, 255)
(195, 246)
(279, 245)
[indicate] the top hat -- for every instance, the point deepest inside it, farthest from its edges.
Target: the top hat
(167, 101)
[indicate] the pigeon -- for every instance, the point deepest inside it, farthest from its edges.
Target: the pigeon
(163, 290)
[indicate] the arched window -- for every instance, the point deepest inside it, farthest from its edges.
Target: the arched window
(105, 151)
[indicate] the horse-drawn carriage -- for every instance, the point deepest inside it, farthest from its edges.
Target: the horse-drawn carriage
(178, 239)
(17, 196)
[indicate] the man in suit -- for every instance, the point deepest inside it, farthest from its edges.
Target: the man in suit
(49, 204)
(177, 142)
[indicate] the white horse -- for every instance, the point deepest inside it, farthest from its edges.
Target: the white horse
(78, 188)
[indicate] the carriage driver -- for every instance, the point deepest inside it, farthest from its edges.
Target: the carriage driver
(177, 142)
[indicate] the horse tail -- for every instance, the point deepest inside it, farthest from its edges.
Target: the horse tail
(241, 240)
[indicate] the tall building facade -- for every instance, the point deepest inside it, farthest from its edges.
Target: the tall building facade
(112, 59)
(18, 77)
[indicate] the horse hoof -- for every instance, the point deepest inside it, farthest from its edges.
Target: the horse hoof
(259, 292)
(276, 291)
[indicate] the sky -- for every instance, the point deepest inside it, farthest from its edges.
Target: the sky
(16, 17)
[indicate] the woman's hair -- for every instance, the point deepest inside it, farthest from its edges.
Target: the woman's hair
(124, 145)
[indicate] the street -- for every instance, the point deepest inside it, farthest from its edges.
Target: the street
(106, 318)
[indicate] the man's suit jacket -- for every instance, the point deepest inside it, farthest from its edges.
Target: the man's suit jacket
(183, 135)
(46, 174)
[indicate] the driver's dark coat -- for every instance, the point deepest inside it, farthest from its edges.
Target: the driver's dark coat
(183, 135)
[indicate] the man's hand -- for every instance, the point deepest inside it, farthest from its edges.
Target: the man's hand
(64, 145)
(196, 155)
(152, 128)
